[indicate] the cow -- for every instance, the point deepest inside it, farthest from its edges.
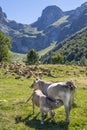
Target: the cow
(40, 84)
(60, 90)
(45, 104)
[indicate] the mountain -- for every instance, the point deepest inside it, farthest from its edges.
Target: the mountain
(74, 49)
(54, 25)
(49, 15)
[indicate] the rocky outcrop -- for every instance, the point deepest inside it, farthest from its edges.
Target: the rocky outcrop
(3, 17)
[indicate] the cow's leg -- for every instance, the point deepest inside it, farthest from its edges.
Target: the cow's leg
(67, 109)
(42, 117)
(67, 113)
(45, 115)
(52, 114)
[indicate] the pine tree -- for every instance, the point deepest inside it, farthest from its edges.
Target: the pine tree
(32, 57)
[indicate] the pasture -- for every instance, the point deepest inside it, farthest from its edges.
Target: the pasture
(15, 90)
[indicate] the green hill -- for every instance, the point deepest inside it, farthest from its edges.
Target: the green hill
(74, 49)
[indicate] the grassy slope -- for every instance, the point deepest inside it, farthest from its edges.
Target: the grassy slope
(44, 51)
(19, 58)
(16, 115)
(60, 21)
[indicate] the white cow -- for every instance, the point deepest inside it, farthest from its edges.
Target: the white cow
(61, 90)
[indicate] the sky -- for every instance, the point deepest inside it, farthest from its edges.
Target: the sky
(28, 11)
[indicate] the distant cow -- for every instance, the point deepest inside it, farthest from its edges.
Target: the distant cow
(61, 90)
(45, 104)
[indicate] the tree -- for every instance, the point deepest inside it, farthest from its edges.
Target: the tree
(83, 61)
(32, 57)
(5, 46)
(57, 58)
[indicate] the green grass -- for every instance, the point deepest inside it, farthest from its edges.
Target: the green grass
(16, 115)
(44, 51)
(18, 58)
(60, 21)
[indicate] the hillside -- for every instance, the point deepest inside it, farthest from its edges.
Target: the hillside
(74, 49)
(52, 26)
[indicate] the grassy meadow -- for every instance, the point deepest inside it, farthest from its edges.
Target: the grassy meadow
(16, 115)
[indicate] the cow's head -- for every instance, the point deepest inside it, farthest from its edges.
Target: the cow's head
(35, 84)
(71, 84)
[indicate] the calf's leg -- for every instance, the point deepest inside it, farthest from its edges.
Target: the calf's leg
(33, 107)
(52, 114)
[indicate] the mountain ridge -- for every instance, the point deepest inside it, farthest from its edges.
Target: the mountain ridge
(48, 29)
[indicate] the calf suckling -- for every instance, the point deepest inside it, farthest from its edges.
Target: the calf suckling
(63, 91)
(45, 104)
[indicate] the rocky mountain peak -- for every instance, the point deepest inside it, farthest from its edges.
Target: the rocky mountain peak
(49, 15)
(81, 9)
(52, 11)
(74, 14)
(2, 16)
(0, 9)
(84, 5)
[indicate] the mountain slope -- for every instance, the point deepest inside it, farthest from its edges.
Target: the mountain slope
(74, 49)
(54, 25)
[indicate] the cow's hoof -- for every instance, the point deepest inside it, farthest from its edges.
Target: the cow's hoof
(45, 115)
(54, 122)
(67, 122)
(42, 123)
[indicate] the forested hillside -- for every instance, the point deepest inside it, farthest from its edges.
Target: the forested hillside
(74, 49)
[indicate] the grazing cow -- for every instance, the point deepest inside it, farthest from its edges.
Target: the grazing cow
(45, 104)
(61, 90)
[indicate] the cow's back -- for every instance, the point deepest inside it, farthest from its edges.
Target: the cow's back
(57, 90)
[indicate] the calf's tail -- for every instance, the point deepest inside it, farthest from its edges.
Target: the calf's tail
(29, 98)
